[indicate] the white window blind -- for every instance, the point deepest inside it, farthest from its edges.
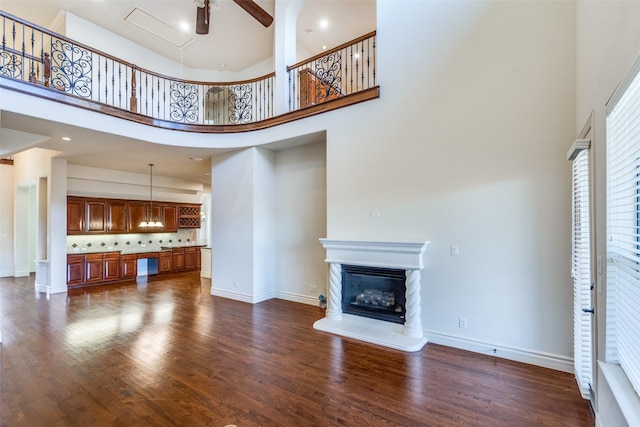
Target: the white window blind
(623, 231)
(581, 272)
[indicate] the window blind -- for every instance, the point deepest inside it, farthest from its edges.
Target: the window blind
(581, 272)
(623, 231)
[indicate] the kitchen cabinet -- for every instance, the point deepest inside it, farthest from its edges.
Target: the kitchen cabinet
(136, 212)
(75, 269)
(75, 216)
(189, 216)
(90, 215)
(139, 211)
(190, 258)
(116, 216)
(178, 259)
(165, 264)
(198, 258)
(94, 268)
(111, 266)
(95, 218)
(129, 266)
(169, 218)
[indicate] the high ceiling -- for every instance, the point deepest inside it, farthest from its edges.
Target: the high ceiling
(235, 42)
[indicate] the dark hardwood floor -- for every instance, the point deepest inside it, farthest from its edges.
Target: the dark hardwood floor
(169, 354)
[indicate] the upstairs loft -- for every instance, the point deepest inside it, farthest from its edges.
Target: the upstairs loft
(41, 63)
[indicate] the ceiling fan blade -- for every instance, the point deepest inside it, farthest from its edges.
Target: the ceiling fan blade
(203, 18)
(256, 11)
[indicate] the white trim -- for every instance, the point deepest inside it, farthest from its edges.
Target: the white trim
(400, 255)
(299, 298)
(238, 296)
(623, 392)
(538, 358)
(577, 146)
(623, 85)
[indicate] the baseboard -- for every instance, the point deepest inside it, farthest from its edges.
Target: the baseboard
(21, 273)
(57, 289)
(205, 274)
(6, 273)
(40, 288)
(302, 299)
(546, 360)
(238, 296)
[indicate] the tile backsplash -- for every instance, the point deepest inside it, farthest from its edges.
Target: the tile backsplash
(124, 242)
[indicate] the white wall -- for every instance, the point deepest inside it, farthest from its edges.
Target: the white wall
(608, 43)
(7, 192)
(98, 182)
(232, 195)
(301, 218)
(264, 225)
(467, 147)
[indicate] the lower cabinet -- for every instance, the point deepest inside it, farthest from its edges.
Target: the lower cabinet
(165, 264)
(178, 259)
(112, 270)
(94, 268)
(75, 270)
(129, 266)
(190, 258)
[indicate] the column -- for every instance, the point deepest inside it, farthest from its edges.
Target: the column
(334, 309)
(413, 322)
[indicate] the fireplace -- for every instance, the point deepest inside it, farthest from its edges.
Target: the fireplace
(378, 293)
(382, 304)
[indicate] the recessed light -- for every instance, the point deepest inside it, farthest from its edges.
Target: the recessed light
(66, 138)
(195, 159)
(324, 24)
(184, 26)
(324, 47)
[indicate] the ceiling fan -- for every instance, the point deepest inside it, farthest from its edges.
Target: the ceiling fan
(250, 6)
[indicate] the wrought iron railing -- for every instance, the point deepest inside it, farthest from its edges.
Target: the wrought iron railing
(32, 53)
(36, 55)
(341, 71)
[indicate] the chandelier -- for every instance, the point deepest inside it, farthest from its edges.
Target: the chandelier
(149, 221)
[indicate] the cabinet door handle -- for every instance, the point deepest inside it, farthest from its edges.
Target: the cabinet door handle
(589, 310)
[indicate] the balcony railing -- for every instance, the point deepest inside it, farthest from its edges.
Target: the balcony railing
(33, 54)
(338, 72)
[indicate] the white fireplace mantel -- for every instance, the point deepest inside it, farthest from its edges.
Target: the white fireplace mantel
(398, 255)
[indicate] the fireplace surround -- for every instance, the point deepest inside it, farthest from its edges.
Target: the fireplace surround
(408, 257)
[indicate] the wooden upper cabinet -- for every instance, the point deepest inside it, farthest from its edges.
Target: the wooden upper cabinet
(170, 218)
(116, 216)
(87, 215)
(75, 215)
(136, 212)
(95, 216)
(189, 216)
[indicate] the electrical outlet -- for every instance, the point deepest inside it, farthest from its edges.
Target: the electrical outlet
(462, 322)
(313, 287)
(235, 283)
(455, 250)
(375, 214)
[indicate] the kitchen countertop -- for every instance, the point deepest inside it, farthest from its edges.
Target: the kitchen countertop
(129, 251)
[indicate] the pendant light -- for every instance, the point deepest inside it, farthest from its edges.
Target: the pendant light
(150, 222)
